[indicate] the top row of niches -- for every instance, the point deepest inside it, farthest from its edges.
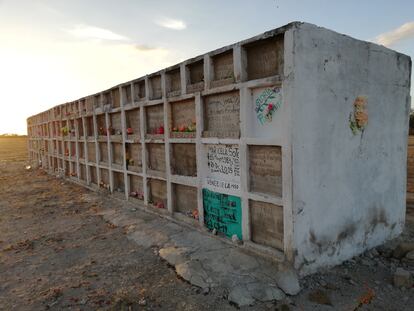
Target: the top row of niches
(260, 59)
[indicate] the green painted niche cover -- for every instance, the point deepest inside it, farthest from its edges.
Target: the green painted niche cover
(222, 212)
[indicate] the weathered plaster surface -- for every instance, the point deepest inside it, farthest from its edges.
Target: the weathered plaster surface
(348, 190)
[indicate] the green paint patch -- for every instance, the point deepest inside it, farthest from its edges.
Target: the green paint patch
(222, 212)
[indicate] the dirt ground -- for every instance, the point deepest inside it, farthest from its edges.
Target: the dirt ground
(56, 253)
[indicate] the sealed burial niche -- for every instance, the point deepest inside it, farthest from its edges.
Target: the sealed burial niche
(185, 200)
(156, 165)
(182, 119)
(157, 193)
(133, 155)
(91, 152)
(117, 155)
(103, 153)
(93, 175)
(183, 159)
(293, 142)
(155, 121)
(195, 76)
(136, 187)
(132, 124)
(139, 90)
(222, 115)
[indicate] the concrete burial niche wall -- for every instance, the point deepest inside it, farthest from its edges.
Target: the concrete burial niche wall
(293, 141)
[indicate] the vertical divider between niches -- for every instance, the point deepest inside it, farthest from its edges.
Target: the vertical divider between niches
(110, 153)
(244, 169)
(95, 136)
(77, 149)
(123, 128)
(143, 125)
(199, 156)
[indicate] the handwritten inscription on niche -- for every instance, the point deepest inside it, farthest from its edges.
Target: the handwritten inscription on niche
(223, 112)
(222, 212)
(224, 161)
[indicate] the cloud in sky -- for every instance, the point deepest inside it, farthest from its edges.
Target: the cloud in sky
(171, 23)
(92, 32)
(405, 31)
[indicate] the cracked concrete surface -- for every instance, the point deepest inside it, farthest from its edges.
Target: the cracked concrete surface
(205, 261)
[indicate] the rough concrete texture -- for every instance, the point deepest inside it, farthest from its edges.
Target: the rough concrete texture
(206, 261)
(348, 189)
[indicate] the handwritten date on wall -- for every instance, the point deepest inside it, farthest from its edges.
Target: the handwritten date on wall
(224, 160)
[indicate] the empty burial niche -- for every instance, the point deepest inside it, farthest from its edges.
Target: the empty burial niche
(156, 159)
(117, 155)
(119, 185)
(91, 147)
(264, 58)
(266, 224)
(155, 87)
(222, 115)
(223, 69)
(103, 153)
(157, 192)
(101, 124)
(82, 172)
(173, 82)
(265, 169)
(136, 187)
(89, 127)
(104, 182)
(81, 150)
(183, 159)
(115, 98)
(182, 119)
(93, 175)
(195, 76)
(132, 124)
(133, 157)
(139, 91)
(155, 120)
(185, 200)
(127, 94)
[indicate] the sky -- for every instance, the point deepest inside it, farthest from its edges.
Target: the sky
(56, 51)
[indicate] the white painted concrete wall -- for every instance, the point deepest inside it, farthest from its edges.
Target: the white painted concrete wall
(348, 190)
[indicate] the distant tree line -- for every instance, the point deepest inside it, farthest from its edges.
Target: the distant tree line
(12, 135)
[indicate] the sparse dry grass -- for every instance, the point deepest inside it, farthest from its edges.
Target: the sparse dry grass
(13, 149)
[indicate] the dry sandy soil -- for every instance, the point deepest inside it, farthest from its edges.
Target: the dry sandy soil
(56, 253)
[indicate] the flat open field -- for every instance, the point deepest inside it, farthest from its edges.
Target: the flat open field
(13, 149)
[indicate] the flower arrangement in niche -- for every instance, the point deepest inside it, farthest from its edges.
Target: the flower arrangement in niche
(358, 119)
